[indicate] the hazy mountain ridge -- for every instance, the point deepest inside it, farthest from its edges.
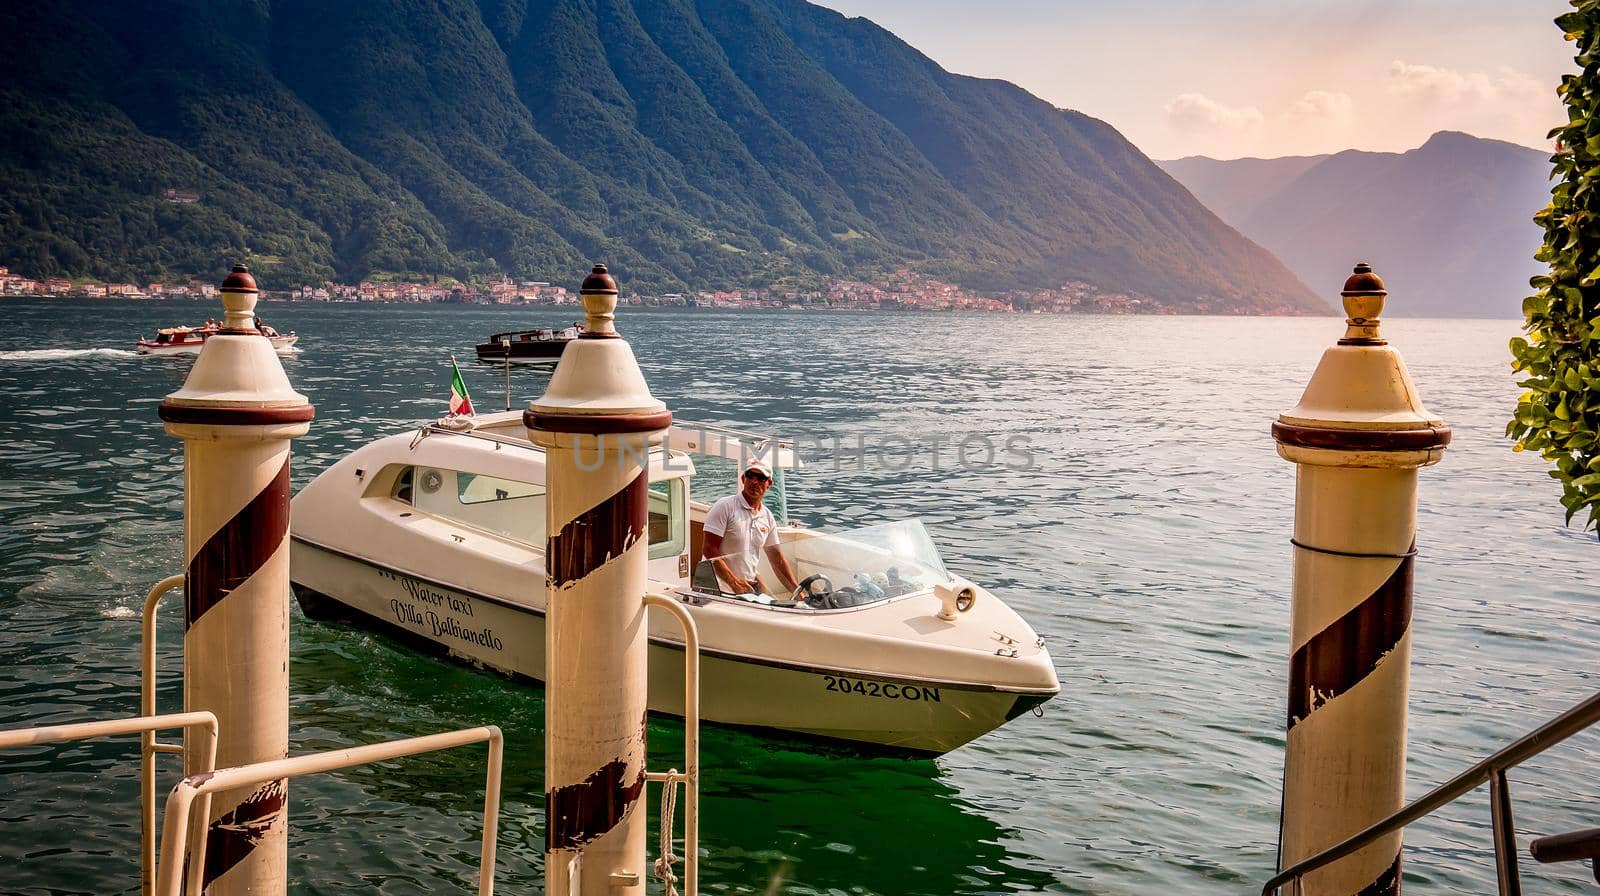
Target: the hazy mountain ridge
(704, 143)
(1448, 225)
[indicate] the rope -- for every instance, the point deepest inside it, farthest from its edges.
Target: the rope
(1307, 547)
(669, 814)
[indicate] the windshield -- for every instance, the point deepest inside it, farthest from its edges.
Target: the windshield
(834, 571)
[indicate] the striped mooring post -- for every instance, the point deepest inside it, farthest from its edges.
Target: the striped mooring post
(595, 422)
(1357, 438)
(236, 414)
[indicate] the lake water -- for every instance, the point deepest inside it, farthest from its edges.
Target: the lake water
(1147, 542)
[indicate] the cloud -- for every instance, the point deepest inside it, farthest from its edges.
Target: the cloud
(1198, 113)
(1434, 84)
(1321, 106)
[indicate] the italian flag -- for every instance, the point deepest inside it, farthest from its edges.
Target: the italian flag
(460, 402)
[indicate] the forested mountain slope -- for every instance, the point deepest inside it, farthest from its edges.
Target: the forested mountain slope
(687, 143)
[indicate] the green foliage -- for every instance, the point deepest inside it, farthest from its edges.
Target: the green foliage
(1559, 415)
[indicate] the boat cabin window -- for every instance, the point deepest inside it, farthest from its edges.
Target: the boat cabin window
(504, 507)
(667, 512)
(516, 510)
(472, 488)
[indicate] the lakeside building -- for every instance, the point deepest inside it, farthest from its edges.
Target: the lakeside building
(903, 290)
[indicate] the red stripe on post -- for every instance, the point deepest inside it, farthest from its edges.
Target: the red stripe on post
(599, 533)
(210, 416)
(1424, 439)
(242, 546)
(597, 424)
(232, 837)
(578, 813)
(1345, 652)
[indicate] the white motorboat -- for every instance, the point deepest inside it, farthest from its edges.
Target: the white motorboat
(189, 340)
(437, 537)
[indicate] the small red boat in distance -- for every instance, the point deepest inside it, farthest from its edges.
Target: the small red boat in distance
(188, 340)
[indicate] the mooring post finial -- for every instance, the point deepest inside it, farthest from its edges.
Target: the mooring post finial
(239, 295)
(599, 292)
(1364, 296)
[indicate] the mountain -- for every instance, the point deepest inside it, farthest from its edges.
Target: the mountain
(687, 143)
(1448, 225)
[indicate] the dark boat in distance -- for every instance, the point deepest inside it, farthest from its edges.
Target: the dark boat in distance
(527, 346)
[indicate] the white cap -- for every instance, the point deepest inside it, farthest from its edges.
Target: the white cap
(760, 466)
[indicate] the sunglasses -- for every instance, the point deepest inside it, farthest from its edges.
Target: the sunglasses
(756, 476)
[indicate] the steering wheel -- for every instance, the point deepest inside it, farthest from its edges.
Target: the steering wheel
(815, 590)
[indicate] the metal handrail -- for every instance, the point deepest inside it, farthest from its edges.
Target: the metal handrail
(148, 748)
(1492, 769)
(144, 726)
(691, 742)
(180, 803)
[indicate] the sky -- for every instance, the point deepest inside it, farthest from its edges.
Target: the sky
(1260, 78)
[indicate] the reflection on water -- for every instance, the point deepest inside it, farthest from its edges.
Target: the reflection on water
(1144, 535)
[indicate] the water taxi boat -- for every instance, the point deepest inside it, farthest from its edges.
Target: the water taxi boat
(535, 346)
(437, 537)
(189, 340)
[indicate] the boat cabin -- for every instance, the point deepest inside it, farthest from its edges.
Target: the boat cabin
(493, 482)
(542, 334)
(181, 336)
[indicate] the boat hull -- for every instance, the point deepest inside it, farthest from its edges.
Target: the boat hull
(522, 352)
(508, 637)
(144, 347)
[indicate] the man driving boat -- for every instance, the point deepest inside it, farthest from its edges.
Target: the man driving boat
(737, 526)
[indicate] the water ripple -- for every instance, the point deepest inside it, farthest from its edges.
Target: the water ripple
(1142, 528)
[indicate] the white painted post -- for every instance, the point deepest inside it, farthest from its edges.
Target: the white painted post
(1357, 437)
(593, 421)
(236, 414)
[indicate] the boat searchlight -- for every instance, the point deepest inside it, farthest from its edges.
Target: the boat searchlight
(955, 596)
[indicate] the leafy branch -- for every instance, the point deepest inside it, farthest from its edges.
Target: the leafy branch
(1559, 415)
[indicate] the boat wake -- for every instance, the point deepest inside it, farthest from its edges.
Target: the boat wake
(65, 354)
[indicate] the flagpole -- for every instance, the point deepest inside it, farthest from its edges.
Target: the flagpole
(506, 344)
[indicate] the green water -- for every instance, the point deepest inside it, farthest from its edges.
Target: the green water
(1146, 541)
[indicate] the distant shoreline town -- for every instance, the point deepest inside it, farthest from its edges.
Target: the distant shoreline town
(905, 290)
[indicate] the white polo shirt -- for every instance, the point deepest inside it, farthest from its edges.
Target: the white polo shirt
(743, 529)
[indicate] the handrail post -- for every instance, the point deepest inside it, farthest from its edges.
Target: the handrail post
(206, 749)
(147, 739)
(1578, 718)
(182, 807)
(491, 810)
(1505, 835)
(691, 739)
